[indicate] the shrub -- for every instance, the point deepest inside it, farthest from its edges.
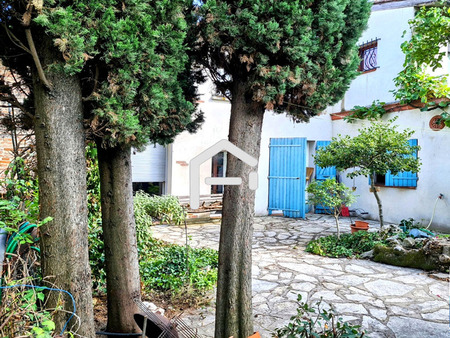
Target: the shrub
(325, 323)
(169, 267)
(346, 246)
(23, 314)
(95, 235)
(166, 267)
(330, 194)
(167, 209)
(163, 267)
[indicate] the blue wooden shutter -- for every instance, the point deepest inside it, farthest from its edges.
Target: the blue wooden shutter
(404, 179)
(323, 173)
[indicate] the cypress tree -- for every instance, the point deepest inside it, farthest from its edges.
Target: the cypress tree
(289, 56)
(120, 70)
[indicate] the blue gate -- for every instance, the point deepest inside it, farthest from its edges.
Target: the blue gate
(287, 176)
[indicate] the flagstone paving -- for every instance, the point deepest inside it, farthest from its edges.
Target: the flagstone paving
(387, 301)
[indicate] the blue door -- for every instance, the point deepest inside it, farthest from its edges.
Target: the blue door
(287, 176)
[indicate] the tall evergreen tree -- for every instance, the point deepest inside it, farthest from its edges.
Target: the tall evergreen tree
(292, 56)
(121, 68)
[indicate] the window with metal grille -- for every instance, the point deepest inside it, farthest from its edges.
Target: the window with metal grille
(368, 53)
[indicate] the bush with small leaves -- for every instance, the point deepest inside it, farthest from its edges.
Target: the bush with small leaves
(308, 323)
(166, 209)
(347, 245)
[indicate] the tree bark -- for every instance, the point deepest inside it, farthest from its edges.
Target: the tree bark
(336, 218)
(119, 234)
(234, 289)
(380, 206)
(62, 191)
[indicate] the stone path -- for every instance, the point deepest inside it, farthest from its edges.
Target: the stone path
(387, 301)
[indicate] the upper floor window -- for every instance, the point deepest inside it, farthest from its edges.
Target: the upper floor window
(368, 54)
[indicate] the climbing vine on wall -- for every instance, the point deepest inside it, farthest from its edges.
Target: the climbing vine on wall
(424, 51)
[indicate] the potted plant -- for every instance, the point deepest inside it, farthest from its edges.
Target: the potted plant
(331, 195)
(359, 226)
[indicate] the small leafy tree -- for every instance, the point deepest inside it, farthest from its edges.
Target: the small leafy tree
(330, 194)
(379, 148)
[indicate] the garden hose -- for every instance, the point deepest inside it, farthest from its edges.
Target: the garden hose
(12, 243)
(49, 289)
(434, 209)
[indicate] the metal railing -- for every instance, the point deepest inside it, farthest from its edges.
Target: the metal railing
(368, 53)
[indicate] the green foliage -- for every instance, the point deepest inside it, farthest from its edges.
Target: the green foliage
(330, 194)
(166, 267)
(172, 268)
(163, 267)
(22, 201)
(23, 313)
(347, 245)
(95, 235)
(410, 224)
(374, 112)
(378, 148)
(22, 192)
(414, 84)
(431, 32)
(167, 209)
(294, 56)
(321, 324)
(131, 58)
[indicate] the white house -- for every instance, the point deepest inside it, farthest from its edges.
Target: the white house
(416, 199)
(287, 148)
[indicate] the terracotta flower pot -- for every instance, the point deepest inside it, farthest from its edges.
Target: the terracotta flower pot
(359, 226)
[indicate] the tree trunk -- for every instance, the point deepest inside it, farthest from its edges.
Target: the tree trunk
(234, 289)
(62, 192)
(380, 206)
(336, 218)
(119, 234)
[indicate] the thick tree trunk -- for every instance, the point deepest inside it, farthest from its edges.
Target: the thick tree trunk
(377, 197)
(62, 192)
(234, 289)
(119, 234)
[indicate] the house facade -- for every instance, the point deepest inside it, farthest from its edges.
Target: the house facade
(416, 196)
(286, 155)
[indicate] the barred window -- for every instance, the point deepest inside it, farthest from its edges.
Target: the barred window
(368, 53)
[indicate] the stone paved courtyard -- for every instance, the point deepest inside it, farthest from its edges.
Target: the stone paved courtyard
(387, 301)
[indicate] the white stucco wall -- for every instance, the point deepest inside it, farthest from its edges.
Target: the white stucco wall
(187, 146)
(215, 128)
(434, 175)
(388, 26)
